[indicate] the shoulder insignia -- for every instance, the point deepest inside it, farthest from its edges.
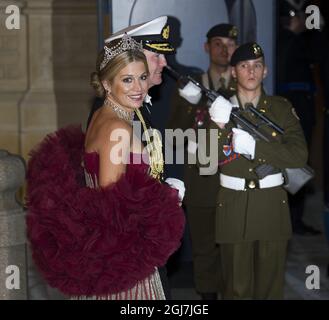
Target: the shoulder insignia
(280, 101)
(293, 110)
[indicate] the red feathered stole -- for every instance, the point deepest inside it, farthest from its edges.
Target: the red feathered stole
(96, 241)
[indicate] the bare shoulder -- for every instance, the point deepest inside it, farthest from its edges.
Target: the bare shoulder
(106, 128)
(115, 128)
(116, 124)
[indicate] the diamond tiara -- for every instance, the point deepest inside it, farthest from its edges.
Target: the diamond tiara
(125, 44)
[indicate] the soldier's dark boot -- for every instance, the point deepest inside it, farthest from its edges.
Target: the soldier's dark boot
(209, 296)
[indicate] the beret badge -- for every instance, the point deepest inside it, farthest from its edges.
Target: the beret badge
(233, 33)
(257, 50)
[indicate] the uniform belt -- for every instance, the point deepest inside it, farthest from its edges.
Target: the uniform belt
(234, 183)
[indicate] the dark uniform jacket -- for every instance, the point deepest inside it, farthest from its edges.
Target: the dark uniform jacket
(200, 190)
(259, 214)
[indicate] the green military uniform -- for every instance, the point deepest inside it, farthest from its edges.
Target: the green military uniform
(253, 225)
(201, 192)
(252, 218)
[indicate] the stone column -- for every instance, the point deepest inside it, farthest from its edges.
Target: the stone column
(74, 52)
(13, 280)
(13, 77)
(45, 68)
(38, 110)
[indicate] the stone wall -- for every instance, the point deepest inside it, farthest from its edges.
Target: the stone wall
(13, 78)
(44, 69)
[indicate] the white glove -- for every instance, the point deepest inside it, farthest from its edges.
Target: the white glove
(220, 110)
(191, 92)
(243, 142)
(177, 184)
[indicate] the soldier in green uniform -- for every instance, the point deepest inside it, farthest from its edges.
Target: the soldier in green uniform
(252, 219)
(201, 191)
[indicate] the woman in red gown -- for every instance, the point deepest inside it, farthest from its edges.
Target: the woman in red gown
(99, 221)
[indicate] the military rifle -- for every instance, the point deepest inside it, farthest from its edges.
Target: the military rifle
(295, 178)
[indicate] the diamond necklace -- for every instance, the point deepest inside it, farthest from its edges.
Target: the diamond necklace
(120, 112)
